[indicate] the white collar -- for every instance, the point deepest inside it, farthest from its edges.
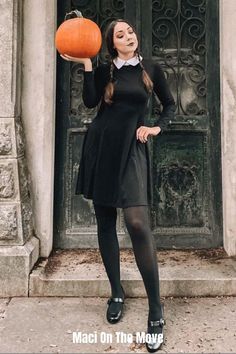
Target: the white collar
(120, 62)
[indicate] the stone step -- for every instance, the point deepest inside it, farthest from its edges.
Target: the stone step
(182, 273)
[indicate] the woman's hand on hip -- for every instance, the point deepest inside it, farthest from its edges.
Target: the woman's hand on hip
(86, 61)
(143, 132)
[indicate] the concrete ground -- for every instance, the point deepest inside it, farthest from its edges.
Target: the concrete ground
(68, 293)
(46, 325)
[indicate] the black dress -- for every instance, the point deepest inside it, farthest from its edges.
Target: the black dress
(115, 168)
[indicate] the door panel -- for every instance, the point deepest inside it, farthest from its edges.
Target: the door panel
(183, 36)
(186, 172)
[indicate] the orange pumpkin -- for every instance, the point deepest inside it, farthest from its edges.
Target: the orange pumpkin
(78, 37)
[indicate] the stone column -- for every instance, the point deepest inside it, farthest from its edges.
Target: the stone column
(228, 122)
(18, 248)
(38, 111)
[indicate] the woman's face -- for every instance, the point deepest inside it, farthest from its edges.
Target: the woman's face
(124, 39)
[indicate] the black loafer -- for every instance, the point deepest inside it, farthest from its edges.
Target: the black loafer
(113, 316)
(155, 329)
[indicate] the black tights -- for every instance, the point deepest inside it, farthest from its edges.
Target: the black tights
(137, 223)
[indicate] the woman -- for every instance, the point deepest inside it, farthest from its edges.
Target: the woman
(115, 170)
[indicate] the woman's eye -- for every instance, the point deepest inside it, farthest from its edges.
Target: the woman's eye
(120, 37)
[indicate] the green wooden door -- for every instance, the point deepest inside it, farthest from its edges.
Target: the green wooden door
(183, 36)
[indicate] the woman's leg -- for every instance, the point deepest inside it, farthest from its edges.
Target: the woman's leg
(137, 223)
(109, 246)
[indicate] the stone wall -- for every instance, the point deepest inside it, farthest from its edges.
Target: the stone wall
(228, 121)
(16, 221)
(15, 208)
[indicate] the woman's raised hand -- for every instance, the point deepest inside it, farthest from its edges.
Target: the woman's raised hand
(86, 61)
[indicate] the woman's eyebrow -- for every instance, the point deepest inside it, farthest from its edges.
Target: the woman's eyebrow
(122, 30)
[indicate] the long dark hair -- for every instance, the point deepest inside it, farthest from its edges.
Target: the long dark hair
(109, 90)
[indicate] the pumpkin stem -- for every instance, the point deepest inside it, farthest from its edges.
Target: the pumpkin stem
(73, 14)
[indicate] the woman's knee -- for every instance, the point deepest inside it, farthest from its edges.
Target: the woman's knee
(136, 226)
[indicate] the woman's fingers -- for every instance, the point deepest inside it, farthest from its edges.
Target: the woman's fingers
(69, 58)
(142, 134)
(145, 135)
(139, 132)
(64, 57)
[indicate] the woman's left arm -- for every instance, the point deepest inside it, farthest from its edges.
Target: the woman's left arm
(161, 89)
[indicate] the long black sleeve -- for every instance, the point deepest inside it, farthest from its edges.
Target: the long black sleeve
(93, 87)
(162, 91)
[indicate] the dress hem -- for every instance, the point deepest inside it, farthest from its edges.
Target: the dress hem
(116, 205)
